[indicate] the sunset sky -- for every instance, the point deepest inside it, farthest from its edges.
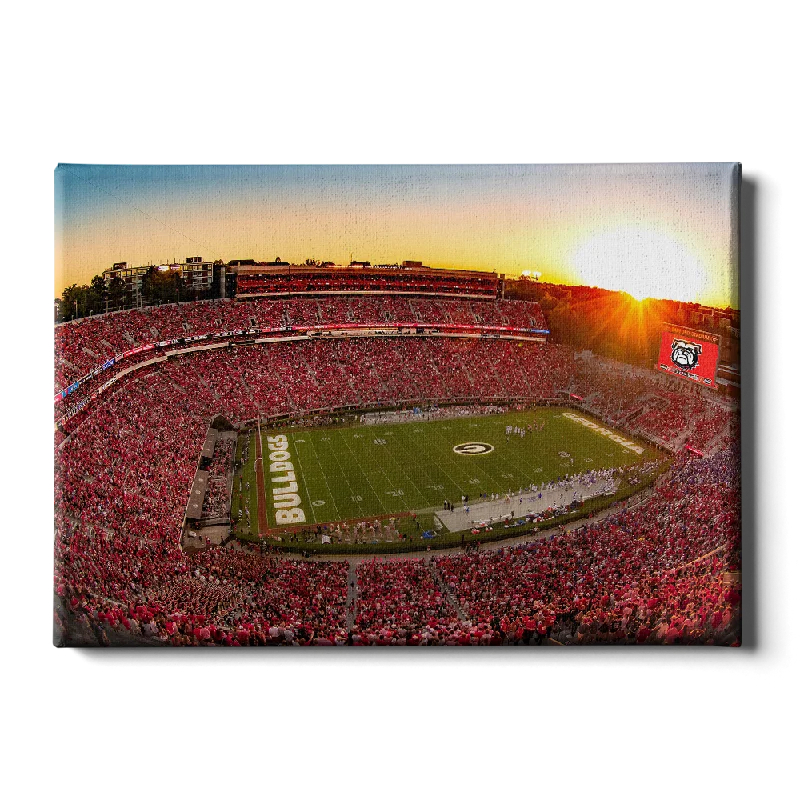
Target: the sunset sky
(663, 230)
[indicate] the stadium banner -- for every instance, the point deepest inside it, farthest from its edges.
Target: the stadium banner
(140, 349)
(102, 368)
(105, 386)
(395, 326)
(74, 410)
(689, 354)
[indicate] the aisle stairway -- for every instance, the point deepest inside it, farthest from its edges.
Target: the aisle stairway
(352, 594)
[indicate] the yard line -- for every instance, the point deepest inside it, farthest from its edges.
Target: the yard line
(520, 418)
(391, 483)
(421, 494)
(305, 482)
(500, 457)
(358, 461)
(513, 464)
(347, 481)
(422, 461)
(325, 477)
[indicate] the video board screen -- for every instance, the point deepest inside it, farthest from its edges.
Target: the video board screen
(689, 354)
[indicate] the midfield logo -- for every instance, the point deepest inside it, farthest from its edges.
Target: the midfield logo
(473, 449)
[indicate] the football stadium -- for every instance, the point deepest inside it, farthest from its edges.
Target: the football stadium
(397, 455)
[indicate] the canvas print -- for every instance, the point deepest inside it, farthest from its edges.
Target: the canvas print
(470, 405)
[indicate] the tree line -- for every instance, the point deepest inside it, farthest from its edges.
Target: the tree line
(99, 297)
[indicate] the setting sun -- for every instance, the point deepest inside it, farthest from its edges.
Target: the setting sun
(642, 262)
(660, 230)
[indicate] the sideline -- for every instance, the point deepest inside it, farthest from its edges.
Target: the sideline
(261, 498)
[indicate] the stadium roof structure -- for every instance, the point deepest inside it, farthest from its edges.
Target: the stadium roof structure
(358, 269)
(211, 440)
(252, 266)
(194, 508)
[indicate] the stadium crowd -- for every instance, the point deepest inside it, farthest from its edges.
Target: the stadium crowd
(632, 577)
(661, 571)
(129, 467)
(713, 423)
(610, 391)
(400, 603)
(84, 345)
(250, 381)
(670, 414)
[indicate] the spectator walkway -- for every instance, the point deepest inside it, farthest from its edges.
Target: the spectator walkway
(446, 591)
(352, 595)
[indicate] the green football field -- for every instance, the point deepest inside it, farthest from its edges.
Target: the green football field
(366, 471)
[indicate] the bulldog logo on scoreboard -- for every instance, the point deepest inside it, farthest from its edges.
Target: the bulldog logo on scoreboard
(473, 448)
(685, 355)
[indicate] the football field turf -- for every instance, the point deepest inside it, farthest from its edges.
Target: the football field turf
(377, 470)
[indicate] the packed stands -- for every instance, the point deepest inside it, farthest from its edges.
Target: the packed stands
(652, 573)
(128, 468)
(665, 571)
(714, 422)
(258, 280)
(670, 414)
(85, 345)
(660, 571)
(647, 403)
(611, 393)
(281, 377)
(399, 603)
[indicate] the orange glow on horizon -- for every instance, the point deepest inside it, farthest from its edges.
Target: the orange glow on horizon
(661, 231)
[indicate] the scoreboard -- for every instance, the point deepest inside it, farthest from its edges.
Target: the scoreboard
(689, 354)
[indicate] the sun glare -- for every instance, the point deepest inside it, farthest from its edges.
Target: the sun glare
(642, 262)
